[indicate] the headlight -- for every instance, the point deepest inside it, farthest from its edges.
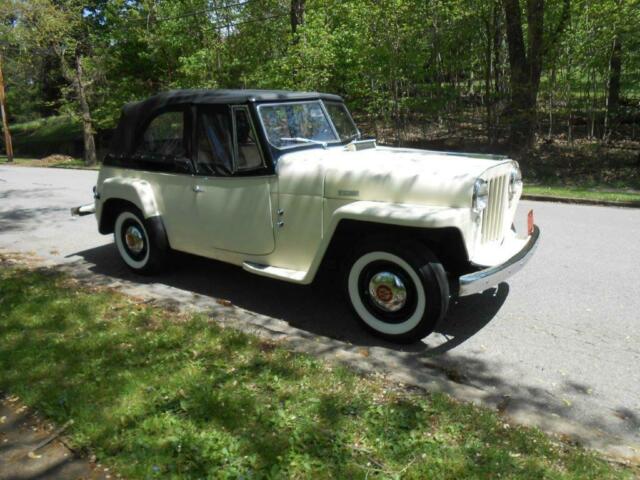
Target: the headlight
(515, 182)
(480, 195)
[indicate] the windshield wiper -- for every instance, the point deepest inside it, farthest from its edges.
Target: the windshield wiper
(304, 140)
(356, 137)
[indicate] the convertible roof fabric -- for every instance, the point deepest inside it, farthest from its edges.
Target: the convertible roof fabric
(136, 113)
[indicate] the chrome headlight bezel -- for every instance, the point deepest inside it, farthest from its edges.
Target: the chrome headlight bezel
(515, 182)
(480, 195)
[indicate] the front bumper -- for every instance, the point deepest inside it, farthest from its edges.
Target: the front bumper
(481, 280)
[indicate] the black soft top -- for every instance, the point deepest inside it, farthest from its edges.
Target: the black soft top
(135, 114)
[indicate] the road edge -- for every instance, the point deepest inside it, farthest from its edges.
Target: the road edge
(580, 201)
(611, 447)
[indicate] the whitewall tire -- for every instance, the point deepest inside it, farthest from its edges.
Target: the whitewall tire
(141, 242)
(399, 292)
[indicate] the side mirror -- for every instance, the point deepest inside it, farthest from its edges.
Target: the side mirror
(183, 165)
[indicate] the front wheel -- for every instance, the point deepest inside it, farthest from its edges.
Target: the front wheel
(399, 291)
(141, 242)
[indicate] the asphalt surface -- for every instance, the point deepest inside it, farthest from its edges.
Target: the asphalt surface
(561, 339)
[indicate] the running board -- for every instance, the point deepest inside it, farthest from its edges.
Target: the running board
(296, 276)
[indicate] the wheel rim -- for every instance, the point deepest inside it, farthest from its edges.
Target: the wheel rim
(134, 239)
(399, 305)
(387, 291)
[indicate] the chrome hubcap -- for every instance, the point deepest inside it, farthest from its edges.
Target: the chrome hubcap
(387, 291)
(134, 239)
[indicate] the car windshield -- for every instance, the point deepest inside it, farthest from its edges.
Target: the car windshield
(291, 124)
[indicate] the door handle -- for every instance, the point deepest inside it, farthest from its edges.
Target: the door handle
(198, 189)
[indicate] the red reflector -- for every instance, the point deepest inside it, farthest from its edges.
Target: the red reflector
(530, 222)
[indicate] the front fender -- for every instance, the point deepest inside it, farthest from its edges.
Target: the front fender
(405, 215)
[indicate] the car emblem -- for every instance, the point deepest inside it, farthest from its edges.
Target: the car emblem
(384, 293)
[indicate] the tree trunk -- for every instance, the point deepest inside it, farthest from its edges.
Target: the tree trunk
(497, 48)
(613, 85)
(526, 64)
(90, 157)
(8, 145)
(487, 79)
(614, 75)
(297, 15)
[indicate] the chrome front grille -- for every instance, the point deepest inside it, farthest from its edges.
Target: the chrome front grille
(493, 217)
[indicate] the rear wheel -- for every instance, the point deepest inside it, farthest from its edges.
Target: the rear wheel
(141, 242)
(398, 290)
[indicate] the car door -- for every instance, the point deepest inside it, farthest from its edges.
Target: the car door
(162, 158)
(232, 192)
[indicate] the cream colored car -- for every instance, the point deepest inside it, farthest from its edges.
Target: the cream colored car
(280, 183)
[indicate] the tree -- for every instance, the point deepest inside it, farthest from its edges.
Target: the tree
(297, 15)
(60, 27)
(526, 61)
(8, 146)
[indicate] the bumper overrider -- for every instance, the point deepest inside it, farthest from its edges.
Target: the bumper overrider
(482, 280)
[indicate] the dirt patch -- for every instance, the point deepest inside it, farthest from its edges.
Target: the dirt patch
(31, 448)
(56, 159)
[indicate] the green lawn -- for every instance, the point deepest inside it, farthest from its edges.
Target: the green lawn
(51, 129)
(585, 193)
(156, 394)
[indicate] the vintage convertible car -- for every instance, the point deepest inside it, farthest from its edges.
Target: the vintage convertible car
(281, 183)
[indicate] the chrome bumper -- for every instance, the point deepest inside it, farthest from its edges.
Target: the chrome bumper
(83, 210)
(481, 280)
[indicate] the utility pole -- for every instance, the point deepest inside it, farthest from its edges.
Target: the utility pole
(5, 122)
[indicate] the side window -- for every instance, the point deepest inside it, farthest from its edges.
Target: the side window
(215, 153)
(248, 155)
(164, 137)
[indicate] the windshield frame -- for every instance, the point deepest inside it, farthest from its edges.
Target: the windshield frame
(358, 133)
(337, 141)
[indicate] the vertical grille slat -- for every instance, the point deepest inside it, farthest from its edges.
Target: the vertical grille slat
(498, 212)
(493, 216)
(495, 199)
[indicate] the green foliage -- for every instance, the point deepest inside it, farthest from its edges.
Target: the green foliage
(50, 129)
(161, 395)
(393, 60)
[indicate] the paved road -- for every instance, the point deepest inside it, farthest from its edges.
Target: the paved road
(562, 339)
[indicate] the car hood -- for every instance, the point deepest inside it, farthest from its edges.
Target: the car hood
(385, 174)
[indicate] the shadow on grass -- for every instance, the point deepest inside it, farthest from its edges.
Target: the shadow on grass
(192, 392)
(320, 309)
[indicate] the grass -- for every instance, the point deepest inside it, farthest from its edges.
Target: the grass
(46, 137)
(53, 161)
(158, 394)
(56, 129)
(585, 193)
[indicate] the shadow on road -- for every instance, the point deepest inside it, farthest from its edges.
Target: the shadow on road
(319, 308)
(24, 219)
